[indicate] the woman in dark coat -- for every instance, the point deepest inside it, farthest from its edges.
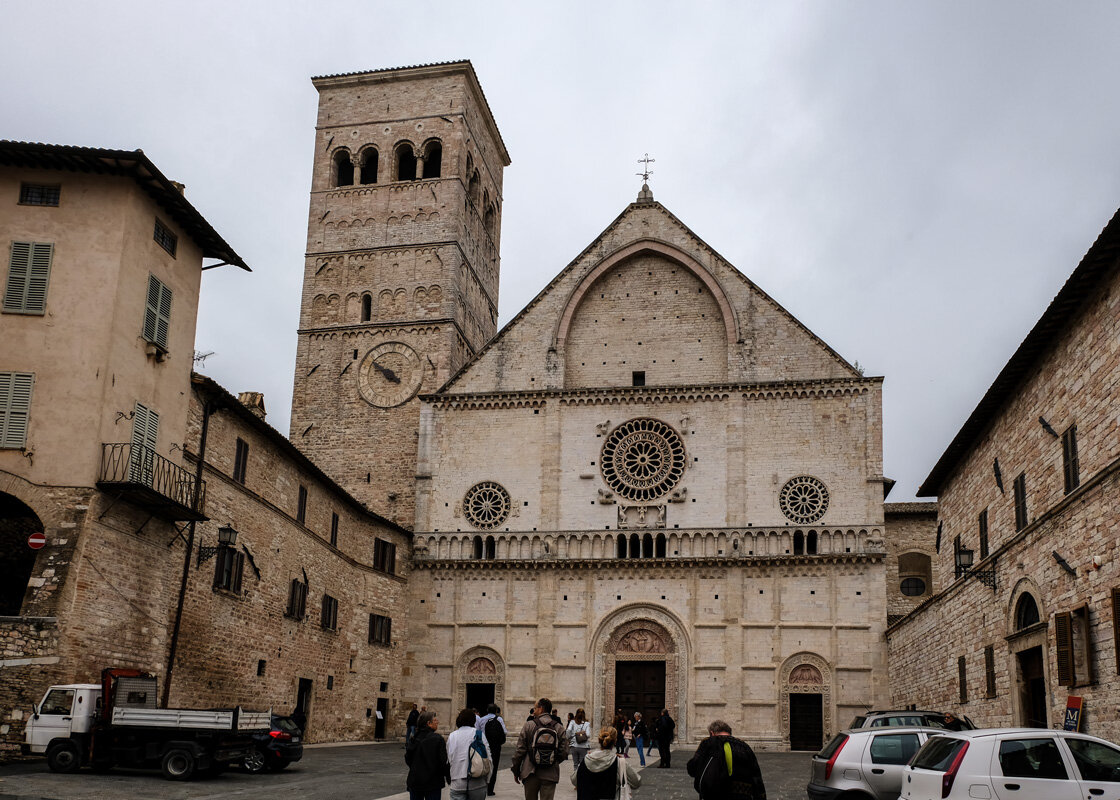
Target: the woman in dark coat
(426, 756)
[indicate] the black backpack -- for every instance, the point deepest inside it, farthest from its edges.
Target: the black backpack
(544, 747)
(494, 733)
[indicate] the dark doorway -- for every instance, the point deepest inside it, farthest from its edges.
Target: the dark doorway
(382, 715)
(806, 722)
(17, 559)
(302, 711)
(480, 695)
(1033, 688)
(640, 686)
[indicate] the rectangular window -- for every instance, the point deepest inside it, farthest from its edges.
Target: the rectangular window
(1021, 501)
(157, 313)
(145, 437)
(1070, 467)
(638, 378)
(228, 565)
(384, 556)
(39, 194)
(380, 629)
(165, 238)
(961, 682)
(29, 270)
(15, 407)
(983, 526)
(297, 599)
(990, 671)
(334, 529)
(1074, 647)
(240, 461)
(328, 620)
(301, 507)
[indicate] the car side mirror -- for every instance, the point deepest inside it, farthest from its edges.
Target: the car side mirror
(34, 711)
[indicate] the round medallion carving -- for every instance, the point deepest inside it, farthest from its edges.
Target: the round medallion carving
(803, 499)
(642, 459)
(486, 505)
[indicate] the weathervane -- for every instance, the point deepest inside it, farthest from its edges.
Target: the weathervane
(646, 172)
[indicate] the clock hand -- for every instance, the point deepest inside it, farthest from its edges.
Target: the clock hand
(388, 373)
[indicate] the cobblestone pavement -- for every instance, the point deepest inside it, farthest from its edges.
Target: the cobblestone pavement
(353, 772)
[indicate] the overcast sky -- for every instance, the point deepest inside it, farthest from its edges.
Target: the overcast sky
(913, 180)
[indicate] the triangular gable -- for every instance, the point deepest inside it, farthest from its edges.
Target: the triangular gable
(767, 342)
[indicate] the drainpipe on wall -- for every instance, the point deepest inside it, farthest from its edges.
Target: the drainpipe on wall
(207, 409)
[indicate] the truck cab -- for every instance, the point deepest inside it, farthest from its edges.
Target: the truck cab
(65, 710)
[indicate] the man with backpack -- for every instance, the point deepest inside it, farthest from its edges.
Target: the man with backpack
(725, 768)
(541, 746)
(493, 727)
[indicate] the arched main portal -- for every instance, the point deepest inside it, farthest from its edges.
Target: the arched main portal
(480, 679)
(805, 705)
(641, 656)
(17, 559)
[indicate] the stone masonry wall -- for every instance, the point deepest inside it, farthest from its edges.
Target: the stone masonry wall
(910, 528)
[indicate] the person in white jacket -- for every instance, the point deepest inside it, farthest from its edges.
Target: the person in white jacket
(600, 775)
(579, 738)
(464, 787)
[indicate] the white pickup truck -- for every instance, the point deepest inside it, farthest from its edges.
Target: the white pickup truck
(117, 722)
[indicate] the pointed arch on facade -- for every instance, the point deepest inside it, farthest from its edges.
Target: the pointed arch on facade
(479, 664)
(806, 673)
(643, 247)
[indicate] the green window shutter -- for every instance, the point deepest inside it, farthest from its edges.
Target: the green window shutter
(29, 269)
(15, 407)
(1063, 634)
(145, 434)
(157, 312)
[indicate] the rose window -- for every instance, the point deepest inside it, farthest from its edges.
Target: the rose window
(804, 500)
(486, 505)
(642, 459)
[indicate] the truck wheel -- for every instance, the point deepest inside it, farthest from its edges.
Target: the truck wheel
(178, 765)
(255, 761)
(64, 757)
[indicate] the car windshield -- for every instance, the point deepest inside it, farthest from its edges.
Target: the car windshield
(937, 754)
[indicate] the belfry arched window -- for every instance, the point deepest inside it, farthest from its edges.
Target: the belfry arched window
(798, 543)
(491, 219)
(367, 307)
(343, 169)
(622, 546)
(477, 550)
(433, 159)
(659, 546)
(369, 166)
(406, 162)
(474, 187)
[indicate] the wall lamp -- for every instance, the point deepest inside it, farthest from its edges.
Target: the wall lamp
(227, 537)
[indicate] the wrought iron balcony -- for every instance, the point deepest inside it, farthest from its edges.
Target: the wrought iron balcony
(145, 478)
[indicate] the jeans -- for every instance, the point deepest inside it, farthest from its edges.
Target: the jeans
(536, 789)
(641, 753)
(432, 795)
(476, 793)
(408, 736)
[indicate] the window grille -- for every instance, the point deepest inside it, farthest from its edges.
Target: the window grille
(38, 194)
(329, 617)
(240, 461)
(962, 683)
(982, 523)
(165, 238)
(15, 407)
(157, 313)
(29, 270)
(990, 671)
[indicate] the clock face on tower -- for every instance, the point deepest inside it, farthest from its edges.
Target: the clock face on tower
(390, 374)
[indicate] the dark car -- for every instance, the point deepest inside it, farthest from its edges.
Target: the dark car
(276, 749)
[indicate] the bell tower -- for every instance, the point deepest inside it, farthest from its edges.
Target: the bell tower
(400, 284)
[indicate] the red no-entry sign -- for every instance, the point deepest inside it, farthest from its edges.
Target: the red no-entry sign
(36, 540)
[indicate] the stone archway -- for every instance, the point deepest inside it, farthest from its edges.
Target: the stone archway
(640, 634)
(805, 674)
(478, 668)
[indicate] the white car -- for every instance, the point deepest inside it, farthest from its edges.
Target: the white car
(1013, 764)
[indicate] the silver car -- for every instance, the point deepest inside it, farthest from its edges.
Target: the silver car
(865, 764)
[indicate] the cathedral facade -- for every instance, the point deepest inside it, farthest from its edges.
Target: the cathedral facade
(654, 488)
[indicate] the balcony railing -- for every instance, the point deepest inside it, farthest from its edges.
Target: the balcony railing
(150, 481)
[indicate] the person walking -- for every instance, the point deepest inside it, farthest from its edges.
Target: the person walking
(641, 735)
(541, 746)
(626, 738)
(601, 774)
(410, 725)
(463, 786)
(426, 756)
(664, 729)
(725, 768)
(579, 737)
(494, 729)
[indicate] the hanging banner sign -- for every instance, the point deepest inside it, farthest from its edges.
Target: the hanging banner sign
(1073, 713)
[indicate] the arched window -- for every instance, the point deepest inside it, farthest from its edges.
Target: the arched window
(369, 166)
(914, 573)
(343, 169)
(367, 307)
(798, 543)
(659, 546)
(474, 187)
(1026, 612)
(811, 543)
(478, 547)
(647, 546)
(406, 162)
(433, 160)
(622, 546)
(491, 548)
(491, 219)
(635, 546)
